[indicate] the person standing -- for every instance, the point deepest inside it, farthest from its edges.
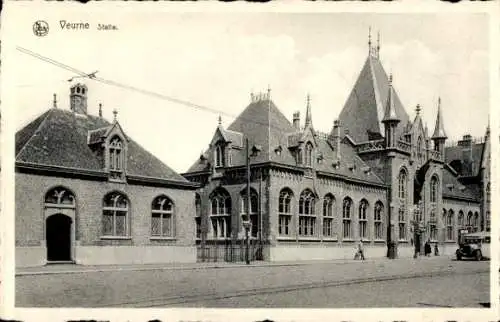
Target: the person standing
(427, 248)
(361, 250)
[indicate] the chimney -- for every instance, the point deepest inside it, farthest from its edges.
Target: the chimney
(296, 120)
(466, 141)
(336, 138)
(78, 98)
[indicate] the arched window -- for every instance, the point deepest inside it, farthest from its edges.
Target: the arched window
(433, 226)
(346, 218)
(307, 216)
(60, 197)
(308, 154)
(328, 203)
(469, 221)
(461, 219)
(115, 215)
(420, 153)
(476, 222)
(197, 219)
(285, 212)
(254, 208)
(434, 189)
(449, 225)
(221, 214)
(378, 215)
(116, 154)
(402, 224)
(402, 185)
(363, 219)
(219, 155)
(488, 194)
(162, 217)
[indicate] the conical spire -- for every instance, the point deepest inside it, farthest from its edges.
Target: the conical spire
(390, 110)
(439, 132)
(308, 121)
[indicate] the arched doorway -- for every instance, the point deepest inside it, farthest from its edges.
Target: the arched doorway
(58, 236)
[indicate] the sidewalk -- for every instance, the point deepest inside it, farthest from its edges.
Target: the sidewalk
(75, 268)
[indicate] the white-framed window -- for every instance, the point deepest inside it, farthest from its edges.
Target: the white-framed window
(162, 217)
(307, 215)
(346, 218)
(363, 219)
(434, 189)
(220, 217)
(116, 162)
(378, 215)
(449, 225)
(402, 224)
(219, 155)
(285, 212)
(402, 185)
(115, 215)
(197, 219)
(308, 154)
(254, 209)
(328, 204)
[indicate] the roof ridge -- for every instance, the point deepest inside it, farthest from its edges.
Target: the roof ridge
(42, 123)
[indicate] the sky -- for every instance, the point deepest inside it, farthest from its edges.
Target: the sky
(217, 59)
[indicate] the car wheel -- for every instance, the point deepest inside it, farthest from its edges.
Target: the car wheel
(479, 256)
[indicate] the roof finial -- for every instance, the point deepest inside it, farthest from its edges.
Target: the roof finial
(220, 120)
(100, 110)
(390, 79)
(370, 39)
(268, 91)
(54, 102)
(115, 113)
(418, 109)
(308, 121)
(378, 43)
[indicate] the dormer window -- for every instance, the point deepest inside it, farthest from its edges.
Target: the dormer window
(308, 154)
(219, 155)
(115, 154)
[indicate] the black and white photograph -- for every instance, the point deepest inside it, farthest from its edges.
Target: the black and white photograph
(250, 159)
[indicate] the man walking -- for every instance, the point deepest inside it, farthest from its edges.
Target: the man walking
(361, 250)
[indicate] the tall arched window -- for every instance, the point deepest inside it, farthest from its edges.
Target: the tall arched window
(420, 151)
(363, 219)
(115, 215)
(221, 214)
(308, 154)
(476, 222)
(378, 215)
(346, 218)
(285, 212)
(402, 224)
(328, 203)
(254, 209)
(433, 226)
(461, 219)
(60, 197)
(219, 155)
(469, 221)
(434, 189)
(116, 154)
(307, 216)
(449, 225)
(402, 185)
(197, 219)
(162, 217)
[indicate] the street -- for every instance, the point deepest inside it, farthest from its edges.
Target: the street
(423, 282)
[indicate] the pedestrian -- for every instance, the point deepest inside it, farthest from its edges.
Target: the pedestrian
(427, 248)
(361, 250)
(436, 250)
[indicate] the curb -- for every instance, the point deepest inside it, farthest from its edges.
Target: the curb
(175, 268)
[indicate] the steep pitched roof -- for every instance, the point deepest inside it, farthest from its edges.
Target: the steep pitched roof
(365, 106)
(452, 188)
(469, 156)
(60, 138)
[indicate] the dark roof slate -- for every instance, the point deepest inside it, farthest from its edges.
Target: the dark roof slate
(458, 190)
(462, 153)
(60, 138)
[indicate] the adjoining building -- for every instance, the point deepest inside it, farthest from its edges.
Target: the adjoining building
(378, 176)
(87, 193)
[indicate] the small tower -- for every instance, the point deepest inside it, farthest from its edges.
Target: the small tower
(439, 137)
(390, 119)
(78, 98)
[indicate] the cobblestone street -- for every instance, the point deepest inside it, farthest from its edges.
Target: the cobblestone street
(377, 283)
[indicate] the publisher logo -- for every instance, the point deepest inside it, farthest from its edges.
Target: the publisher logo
(40, 28)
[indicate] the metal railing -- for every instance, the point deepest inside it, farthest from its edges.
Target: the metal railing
(230, 250)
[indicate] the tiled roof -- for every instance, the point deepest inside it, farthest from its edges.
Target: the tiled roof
(365, 106)
(453, 188)
(60, 138)
(470, 157)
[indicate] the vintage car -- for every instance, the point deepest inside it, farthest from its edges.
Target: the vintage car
(474, 245)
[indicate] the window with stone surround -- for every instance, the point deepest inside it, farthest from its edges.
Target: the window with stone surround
(284, 212)
(402, 224)
(162, 217)
(378, 215)
(328, 206)
(254, 209)
(197, 219)
(449, 225)
(307, 216)
(60, 197)
(433, 232)
(469, 221)
(475, 224)
(347, 218)
(434, 189)
(461, 219)
(308, 154)
(219, 155)
(402, 185)
(363, 219)
(115, 215)
(220, 217)
(116, 157)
